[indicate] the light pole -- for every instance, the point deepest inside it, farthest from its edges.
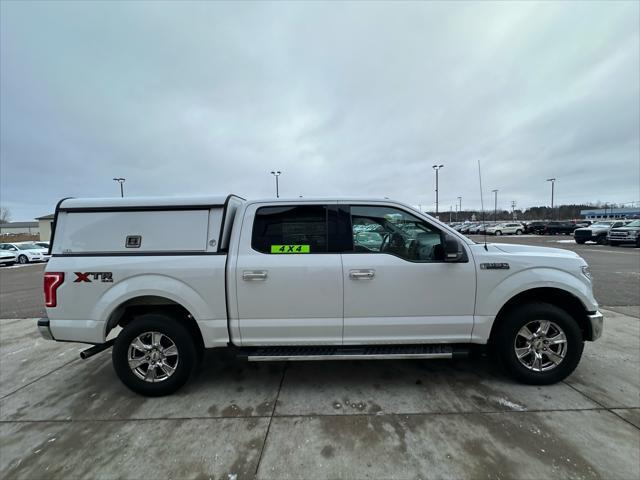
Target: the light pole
(120, 180)
(437, 169)
(553, 182)
(276, 174)
(460, 207)
(495, 205)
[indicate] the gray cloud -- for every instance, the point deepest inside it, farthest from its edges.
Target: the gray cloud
(345, 98)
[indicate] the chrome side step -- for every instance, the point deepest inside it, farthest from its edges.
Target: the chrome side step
(375, 352)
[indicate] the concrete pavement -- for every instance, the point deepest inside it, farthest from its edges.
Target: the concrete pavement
(61, 417)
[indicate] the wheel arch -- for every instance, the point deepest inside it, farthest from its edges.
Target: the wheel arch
(131, 308)
(554, 296)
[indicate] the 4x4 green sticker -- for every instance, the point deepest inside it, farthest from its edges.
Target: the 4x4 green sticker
(290, 248)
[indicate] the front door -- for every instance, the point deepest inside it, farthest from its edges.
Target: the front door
(289, 286)
(397, 286)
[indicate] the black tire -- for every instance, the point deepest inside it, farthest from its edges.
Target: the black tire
(176, 332)
(580, 242)
(515, 319)
(601, 240)
(23, 260)
(498, 233)
(613, 244)
(518, 232)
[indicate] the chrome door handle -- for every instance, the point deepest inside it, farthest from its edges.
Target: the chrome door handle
(362, 274)
(254, 275)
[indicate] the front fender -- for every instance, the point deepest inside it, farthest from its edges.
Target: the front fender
(489, 303)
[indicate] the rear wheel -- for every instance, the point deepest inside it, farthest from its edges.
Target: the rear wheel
(613, 244)
(498, 233)
(539, 343)
(518, 232)
(580, 242)
(22, 260)
(154, 355)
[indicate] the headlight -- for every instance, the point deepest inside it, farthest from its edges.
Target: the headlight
(586, 272)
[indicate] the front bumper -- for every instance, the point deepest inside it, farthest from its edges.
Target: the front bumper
(43, 328)
(596, 322)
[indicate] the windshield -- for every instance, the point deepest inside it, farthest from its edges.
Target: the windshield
(28, 246)
(602, 224)
(635, 223)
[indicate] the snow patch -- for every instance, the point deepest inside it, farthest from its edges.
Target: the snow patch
(513, 406)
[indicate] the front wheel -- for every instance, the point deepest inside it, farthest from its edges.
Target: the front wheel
(22, 260)
(580, 242)
(602, 240)
(539, 343)
(154, 355)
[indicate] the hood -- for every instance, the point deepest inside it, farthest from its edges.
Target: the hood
(592, 228)
(625, 229)
(531, 250)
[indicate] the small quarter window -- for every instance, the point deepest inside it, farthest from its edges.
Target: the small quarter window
(295, 229)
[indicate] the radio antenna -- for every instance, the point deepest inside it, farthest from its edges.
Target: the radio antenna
(482, 207)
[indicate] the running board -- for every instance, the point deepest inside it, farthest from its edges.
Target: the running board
(375, 352)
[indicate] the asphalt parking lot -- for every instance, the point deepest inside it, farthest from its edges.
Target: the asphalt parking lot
(62, 417)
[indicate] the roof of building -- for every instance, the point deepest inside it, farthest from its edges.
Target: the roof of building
(46, 217)
(597, 211)
(19, 225)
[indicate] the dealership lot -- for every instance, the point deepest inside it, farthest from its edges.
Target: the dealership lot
(377, 419)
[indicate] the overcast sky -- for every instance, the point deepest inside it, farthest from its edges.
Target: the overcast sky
(345, 98)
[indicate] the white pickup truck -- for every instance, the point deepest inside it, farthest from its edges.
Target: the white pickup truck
(162, 279)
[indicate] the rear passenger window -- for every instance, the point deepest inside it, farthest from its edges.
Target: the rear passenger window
(285, 230)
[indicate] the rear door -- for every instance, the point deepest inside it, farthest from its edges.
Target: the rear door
(289, 284)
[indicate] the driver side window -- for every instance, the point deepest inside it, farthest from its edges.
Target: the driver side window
(379, 229)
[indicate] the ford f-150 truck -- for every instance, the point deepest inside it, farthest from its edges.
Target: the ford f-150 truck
(162, 279)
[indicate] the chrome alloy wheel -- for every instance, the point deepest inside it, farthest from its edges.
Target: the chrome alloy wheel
(540, 345)
(153, 357)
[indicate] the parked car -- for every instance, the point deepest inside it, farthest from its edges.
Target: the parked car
(596, 232)
(536, 227)
(44, 245)
(482, 228)
(466, 227)
(559, 228)
(7, 258)
(506, 229)
(629, 233)
(26, 252)
(280, 280)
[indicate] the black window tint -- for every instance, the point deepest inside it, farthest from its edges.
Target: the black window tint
(302, 226)
(396, 232)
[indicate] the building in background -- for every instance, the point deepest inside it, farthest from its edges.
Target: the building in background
(599, 213)
(19, 228)
(44, 226)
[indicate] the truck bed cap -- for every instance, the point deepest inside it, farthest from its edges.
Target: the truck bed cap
(116, 202)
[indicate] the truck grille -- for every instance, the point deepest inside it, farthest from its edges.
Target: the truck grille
(582, 234)
(618, 234)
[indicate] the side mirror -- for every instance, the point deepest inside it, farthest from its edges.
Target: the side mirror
(453, 251)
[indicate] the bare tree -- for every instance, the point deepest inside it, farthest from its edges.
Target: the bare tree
(5, 215)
